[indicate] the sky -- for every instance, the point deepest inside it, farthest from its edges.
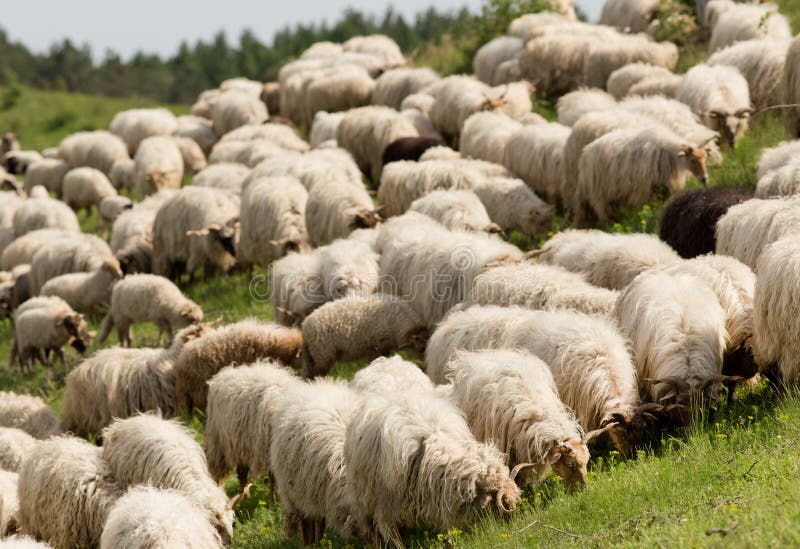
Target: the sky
(159, 26)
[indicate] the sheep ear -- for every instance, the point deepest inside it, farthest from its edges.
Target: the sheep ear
(554, 455)
(686, 150)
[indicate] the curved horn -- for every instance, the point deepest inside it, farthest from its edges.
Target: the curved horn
(597, 432)
(500, 494)
(235, 499)
(519, 467)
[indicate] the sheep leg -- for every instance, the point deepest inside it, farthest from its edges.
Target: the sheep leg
(164, 328)
(307, 531)
(241, 474)
(272, 489)
(60, 354)
(319, 530)
(390, 533)
(14, 354)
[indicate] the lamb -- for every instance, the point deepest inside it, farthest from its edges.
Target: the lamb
(389, 376)
(575, 104)
(783, 181)
(489, 58)
(362, 327)
(677, 328)
(459, 210)
(349, 268)
(486, 134)
(15, 445)
(776, 157)
(86, 187)
(743, 22)
(629, 167)
(296, 286)
(9, 503)
(761, 63)
(338, 89)
(629, 15)
(690, 218)
(29, 414)
(333, 211)
(158, 165)
(514, 206)
(536, 154)
(307, 458)
(324, 127)
(44, 329)
(239, 343)
(234, 108)
(148, 450)
(449, 479)
(47, 172)
(790, 90)
(147, 517)
(199, 129)
(81, 253)
(537, 286)
(720, 96)
(195, 227)
(97, 149)
(367, 131)
(66, 490)
(88, 293)
(509, 398)
(135, 125)
(146, 297)
(395, 85)
(242, 402)
(409, 148)
(623, 79)
(44, 213)
(123, 174)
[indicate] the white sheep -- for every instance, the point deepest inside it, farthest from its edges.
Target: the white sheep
(194, 159)
(784, 181)
(158, 164)
(148, 450)
(776, 157)
(606, 56)
(235, 108)
(761, 62)
(86, 187)
(629, 15)
(514, 206)
(9, 503)
(376, 44)
(88, 293)
(393, 86)
(199, 129)
(338, 89)
(389, 376)
(324, 127)
(135, 125)
(790, 90)
(486, 134)
(47, 172)
(109, 209)
(123, 173)
(488, 59)
(148, 298)
(227, 176)
(573, 105)
(132, 233)
(666, 85)
(458, 210)
(607, 260)
(29, 414)
(335, 210)
(78, 253)
(296, 286)
(421, 101)
(536, 154)
(44, 213)
(279, 135)
(317, 167)
(97, 149)
(742, 22)
(15, 445)
(10, 202)
(349, 268)
(623, 79)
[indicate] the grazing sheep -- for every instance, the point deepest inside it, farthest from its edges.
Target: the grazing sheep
(790, 90)
(66, 490)
(135, 125)
(296, 286)
(199, 129)
(536, 154)
(132, 233)
(279, 135)
(720, 96)
(22, 249)
(243, 342)
(146, 518)
(324, 127)
(44, 213)
(460, 210)
(488, 59)
(88, 293)
(86, 187)
(777, 157)
(148, 450)
(338, 89)
(228, 176)
(196, 227)
(485, 136)
(630, 167)
(109, 209)
(29, 414)
(81, 253)
(666, 86)
(629, 15)
(158, 164)
(690, 218)
(409, 148)
(389, 376)
(307, 458)
(362, 327)
(97, 149)
(15, 445)
(748, 22)
(761, 63)
(318, 167)
(784, 181)
(607, 260)
(47, 172)
(234, 108)
(422, 443)
(349, 268)
(194, 159)
(123, 174)
(242, 401)
(509, 399)
(9, 503)
(395, 85)
(606, 56)
(146, 297)
(335, 210)
(623, 79)
(514, 206)
(575, 104)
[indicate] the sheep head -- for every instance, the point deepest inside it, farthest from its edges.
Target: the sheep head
(113, 268)
(740, 361)
(191, 313)
(693, 159)
(225, 235)
(364, 219)
(731, 126)
(568, 460)
(75, 326)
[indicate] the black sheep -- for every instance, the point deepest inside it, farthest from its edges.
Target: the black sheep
(409, 148)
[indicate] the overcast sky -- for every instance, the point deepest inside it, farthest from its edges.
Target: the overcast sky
(159, 26)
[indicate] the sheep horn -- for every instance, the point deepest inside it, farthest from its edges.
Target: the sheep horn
(597, 432)
(235, 499)
(500, 494)
(519, 467)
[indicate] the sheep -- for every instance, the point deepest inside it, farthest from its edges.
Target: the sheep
(514, 206)
(322, 49)
(9, 503)
(272, 220)
(81, 253)
(359, 327)
(492, 55)
(536, 154)
(422, 123)
(677, 330)
(324, 127)
(88, 293)
(66, 490)
(47, 328)
(17, 162)
(376, 44)
(132, 233)
(234, 108)
(97, 149)
(720, 96)
(109, 209)
(421, 101)
(545, 287)
(146, 449)
(29, 414)
(44, 213)
(529, 25)
(485, 135)
(307, 458)
(389, 376)
(195, 227)
(587, 355)
(146, 297)
(689, 218)
(9, 203)
(240, 343)
(47, 172)
(15, 445)
(423, 444)
(761, 63)
(431, 267)
(199, 129)
(776, 157)
(194, 159)
(158, 164)
(509, 398)
(365, 132)
(780, 182)
(628, 167)
(790, 90)
(666, 86)
(604, 57)
(629, 15)
(333, 211)
(623, 79)
(748, 228)
(296, 286)
(227, 176)
(743, 22)
(86, 187)
(459, 210)
(318, 167)
(409, 148)
(395, 85)
(349, 268)
(123, 174)
(338, 89)
(607, 260)
(135, 125)
(279, 135)
(572, 106)
(147, 517)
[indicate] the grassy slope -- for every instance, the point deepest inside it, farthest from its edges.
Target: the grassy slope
(732, 479)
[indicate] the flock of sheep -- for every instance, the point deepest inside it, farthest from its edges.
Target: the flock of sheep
(528, 356)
